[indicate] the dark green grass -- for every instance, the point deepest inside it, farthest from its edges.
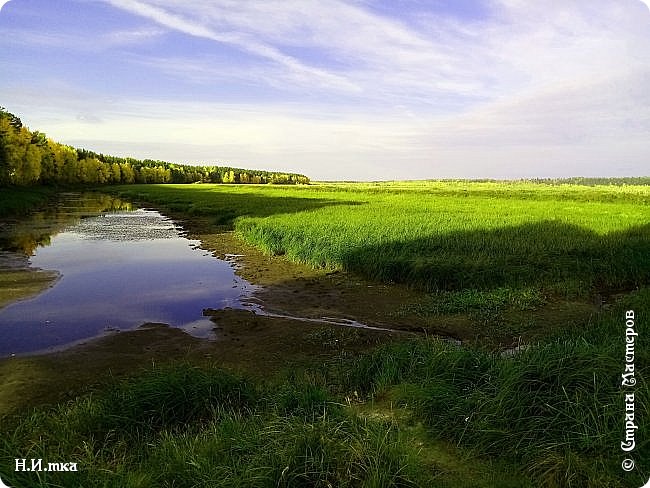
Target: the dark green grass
(185, 426)
(557, 407)
(18, 201)
(472, 300)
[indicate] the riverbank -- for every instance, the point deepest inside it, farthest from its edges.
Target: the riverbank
(421, 412)
(16, 201)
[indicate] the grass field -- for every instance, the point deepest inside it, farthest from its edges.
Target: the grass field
(530, 238)
(191, 427)
(551, 415)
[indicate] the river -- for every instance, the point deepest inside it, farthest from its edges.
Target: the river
(115, 267)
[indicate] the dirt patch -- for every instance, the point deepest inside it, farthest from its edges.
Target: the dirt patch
(20, 284)
(296, 289)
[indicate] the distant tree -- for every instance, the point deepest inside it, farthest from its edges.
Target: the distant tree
(128, 173)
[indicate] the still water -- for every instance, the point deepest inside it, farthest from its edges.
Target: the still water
(118, 267)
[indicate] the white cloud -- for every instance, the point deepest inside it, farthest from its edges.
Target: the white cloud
(354, 50)
(597, 129)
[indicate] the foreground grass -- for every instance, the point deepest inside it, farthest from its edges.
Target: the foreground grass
(556, 408)
(186, 426)
(553, 413)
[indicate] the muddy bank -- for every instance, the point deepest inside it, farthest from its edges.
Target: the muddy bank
(258, 346)
(289, 288)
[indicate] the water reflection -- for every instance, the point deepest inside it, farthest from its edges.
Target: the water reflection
(26, 235)
(118, 268)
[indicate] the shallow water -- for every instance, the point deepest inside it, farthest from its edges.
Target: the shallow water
(118, 267)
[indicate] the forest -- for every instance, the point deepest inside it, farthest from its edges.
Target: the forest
(29, 158)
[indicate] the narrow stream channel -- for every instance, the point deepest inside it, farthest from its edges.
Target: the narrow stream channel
(118, 267)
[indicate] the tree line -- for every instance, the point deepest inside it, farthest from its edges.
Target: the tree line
(595, 181)
(31, 158)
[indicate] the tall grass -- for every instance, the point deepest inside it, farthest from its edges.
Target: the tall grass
(439, 242)
(556, 407)
(186, 426)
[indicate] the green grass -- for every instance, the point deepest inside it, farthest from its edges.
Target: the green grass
(556, 408)
(471, 300)
(564, 239)
(185, 426)
(157, 430)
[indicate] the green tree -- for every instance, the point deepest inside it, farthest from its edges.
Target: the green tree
(116, 173)
(128, 173)
(31, 170)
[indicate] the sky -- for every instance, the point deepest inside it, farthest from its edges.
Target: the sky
(340, 90)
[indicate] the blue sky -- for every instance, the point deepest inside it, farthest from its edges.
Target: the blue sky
(357, 89)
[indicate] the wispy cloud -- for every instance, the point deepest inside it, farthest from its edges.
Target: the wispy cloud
(437, 62)
(78, 42)
(364, 53)
(240, 39)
